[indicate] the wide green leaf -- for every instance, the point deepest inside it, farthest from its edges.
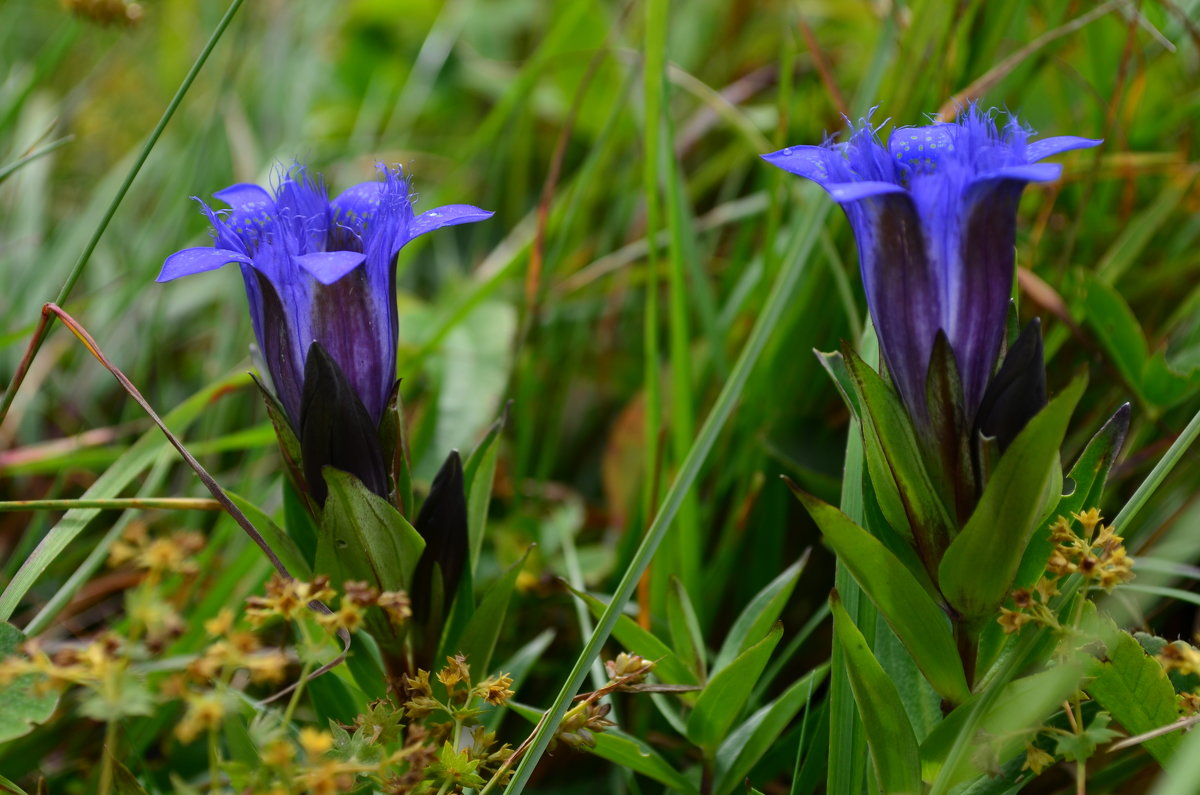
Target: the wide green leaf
(978, 569)
(750, 741)
(1088, 475)
(629, 752)
(890, 738)
(21, 705)
(1135, 689)
(758, 616)
(362, 537)
(1016, 711)
(721, 701)
(901, 599)
(907, 495)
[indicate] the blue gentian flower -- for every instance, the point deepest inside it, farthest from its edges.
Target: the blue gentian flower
(934, 214)
(320, 271)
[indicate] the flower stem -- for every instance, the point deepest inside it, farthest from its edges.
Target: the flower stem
(106, 764)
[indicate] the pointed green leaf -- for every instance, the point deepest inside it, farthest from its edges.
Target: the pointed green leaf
(758, 616)
(978, 569)
(478, 640)
(629, 752)
(685, 629)
(907, 495)
(362, 537)
(759, 733)
(721, 701)
(280, 542)
(1088, 475)
(907, 606)
(479, 474)
(890, 736)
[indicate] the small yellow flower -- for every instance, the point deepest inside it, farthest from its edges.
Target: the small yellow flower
(1012, 620)
(278, 754)
(204, 712)
(1036, 760)
(456, 671)
(495, 691)
(397, 606)
(219, 624)
(314, 741)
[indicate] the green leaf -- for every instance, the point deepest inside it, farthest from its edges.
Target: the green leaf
(478, 476)
(758, 616)
(668, 667)
(478, 640)
(901, 599)
(1089, 474)
(909, 500)
(629, 752)
(890, 736)
(685, 629)
(978, 569)
(1157, 383)
(723, 698)
(759, 733)
(1080, 747)
(363, 537)
(1135, 689)
(21, 706)
(123, 781)
(1014, 715)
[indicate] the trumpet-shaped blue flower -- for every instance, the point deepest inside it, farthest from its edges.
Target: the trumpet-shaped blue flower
(322, 271)
(933, 211)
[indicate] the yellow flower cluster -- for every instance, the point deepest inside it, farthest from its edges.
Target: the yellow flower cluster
(287, 599)
(1096, 552)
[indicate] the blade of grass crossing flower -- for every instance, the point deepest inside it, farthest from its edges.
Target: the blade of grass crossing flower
(653, 81)
(893, 747)
(77, 269)
(689, 470)
(115, 479)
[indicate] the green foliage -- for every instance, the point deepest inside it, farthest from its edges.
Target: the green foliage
(22, 706)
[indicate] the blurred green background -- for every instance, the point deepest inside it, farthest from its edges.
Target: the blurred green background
(610, 328)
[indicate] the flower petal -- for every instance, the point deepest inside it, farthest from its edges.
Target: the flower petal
(1046, 147)
(329, 266)
(843, 192)
(357, 202)
(244, 195)
(901, 281)
(197, 260)
(449, 215)
(810, 162)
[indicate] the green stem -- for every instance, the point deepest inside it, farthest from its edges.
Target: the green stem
(106, 765)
